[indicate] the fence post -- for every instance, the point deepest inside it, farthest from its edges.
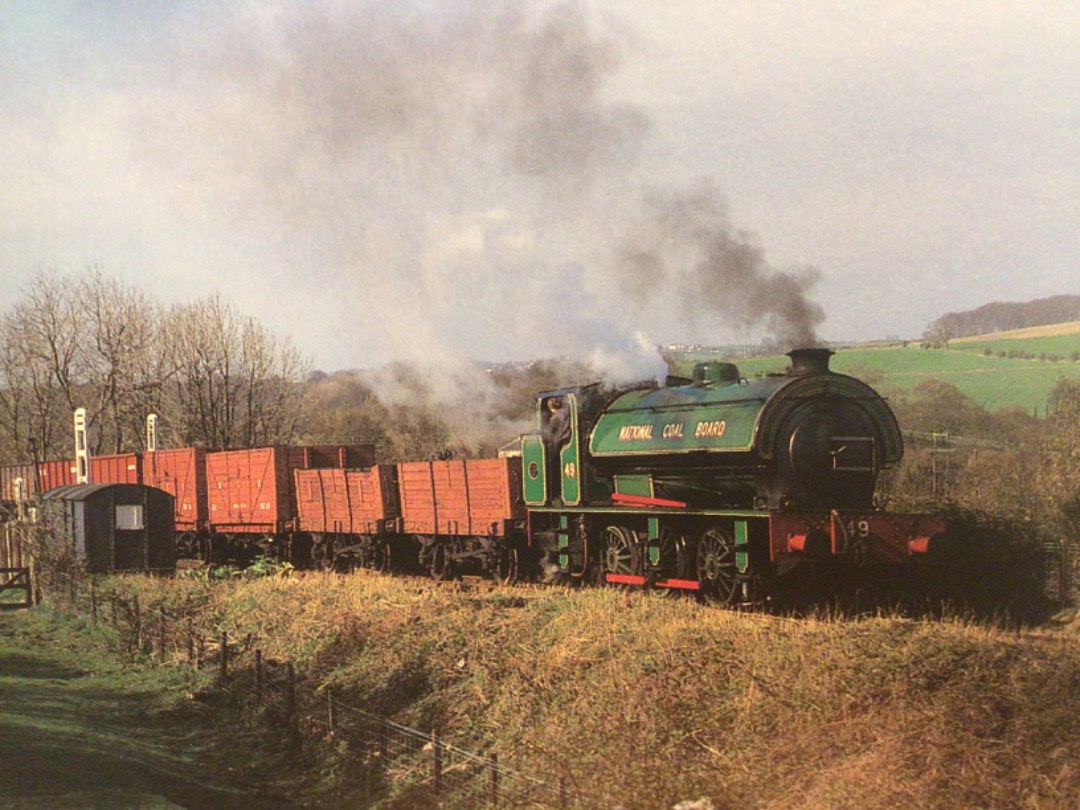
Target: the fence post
(224, 656)
(330, 710)
(192, 661)
(290, 708)
(161, 632)
(493, 768)
(562, 792)
(1065, 593)
(436, 762)
(137, 613)
(383, 743)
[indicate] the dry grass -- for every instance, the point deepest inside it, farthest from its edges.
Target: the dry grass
(641, 702)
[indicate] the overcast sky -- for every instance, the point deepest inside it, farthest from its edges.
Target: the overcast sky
(510, 180)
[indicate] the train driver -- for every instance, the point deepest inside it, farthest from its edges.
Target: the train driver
(556, 433)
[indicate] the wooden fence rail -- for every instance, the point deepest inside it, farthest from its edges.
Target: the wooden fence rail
(13, 580)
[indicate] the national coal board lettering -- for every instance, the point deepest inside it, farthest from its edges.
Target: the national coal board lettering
(710, 430)
(674, 431)
(635, 433)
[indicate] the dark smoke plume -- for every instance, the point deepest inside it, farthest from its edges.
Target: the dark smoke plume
(684, 245)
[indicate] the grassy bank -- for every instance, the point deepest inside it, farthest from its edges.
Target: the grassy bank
(635, 701)
(82, 728)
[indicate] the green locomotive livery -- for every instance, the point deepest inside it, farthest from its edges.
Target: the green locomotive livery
(719, 485)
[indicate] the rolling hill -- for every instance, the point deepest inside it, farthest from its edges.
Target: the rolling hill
(1007, 369)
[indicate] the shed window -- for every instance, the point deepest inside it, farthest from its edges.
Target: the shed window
(129, 518)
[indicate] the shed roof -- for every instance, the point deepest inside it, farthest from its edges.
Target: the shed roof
(78, 492)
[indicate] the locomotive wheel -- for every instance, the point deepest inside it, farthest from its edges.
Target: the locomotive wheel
(620, 551)
(675, 558)
(716, 569)
(676, 561)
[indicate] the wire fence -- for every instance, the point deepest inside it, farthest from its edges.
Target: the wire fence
(401, 755)
(1057, 569)
(385, 757)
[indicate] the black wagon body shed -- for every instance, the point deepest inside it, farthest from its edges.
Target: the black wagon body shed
(119, 527)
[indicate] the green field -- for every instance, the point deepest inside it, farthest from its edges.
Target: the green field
(1066, 347)
(990, 380)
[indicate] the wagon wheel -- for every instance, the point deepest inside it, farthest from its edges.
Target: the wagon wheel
(620, 551)
(205, 548)
(342, 561)
(297, 550)
(442, 567)
(508, 564)
(189, 547)
(379, 558)
(225, 550)
(269, 547)
(322, 551)
(716, 568)
(215, 549)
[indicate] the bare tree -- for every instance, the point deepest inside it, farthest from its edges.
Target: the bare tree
(216, 378)
(41, 365)
(15, 396)
(124, 366)
(273, 373)
(235, 384)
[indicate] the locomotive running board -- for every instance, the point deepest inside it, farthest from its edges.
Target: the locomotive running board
(632, 579)
(619, 499)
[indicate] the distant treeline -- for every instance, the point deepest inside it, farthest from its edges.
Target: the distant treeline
(1004, 316)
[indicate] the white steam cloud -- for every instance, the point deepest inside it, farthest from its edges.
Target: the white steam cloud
(423, 181)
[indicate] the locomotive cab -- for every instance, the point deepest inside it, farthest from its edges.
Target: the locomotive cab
(553, 464)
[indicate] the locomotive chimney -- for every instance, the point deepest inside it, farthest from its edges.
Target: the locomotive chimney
(809, 361)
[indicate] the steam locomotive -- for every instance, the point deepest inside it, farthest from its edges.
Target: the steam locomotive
(720, 485)
(716, 484)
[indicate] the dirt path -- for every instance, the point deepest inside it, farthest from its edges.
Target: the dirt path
(69, 739)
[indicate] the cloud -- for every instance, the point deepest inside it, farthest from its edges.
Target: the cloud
(510, 180)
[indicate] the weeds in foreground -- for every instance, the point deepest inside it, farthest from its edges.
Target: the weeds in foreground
(634, 701)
